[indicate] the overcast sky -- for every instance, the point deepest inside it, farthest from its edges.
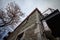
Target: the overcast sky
(28, 5)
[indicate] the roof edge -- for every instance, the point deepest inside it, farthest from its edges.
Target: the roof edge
(36, 9)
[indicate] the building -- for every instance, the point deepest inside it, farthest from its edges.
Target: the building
(53, 22)
(38, 27)
(30, 29)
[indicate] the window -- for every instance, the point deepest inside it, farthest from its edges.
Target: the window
(20, 36)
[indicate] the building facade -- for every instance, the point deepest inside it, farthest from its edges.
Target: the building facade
(30, 29)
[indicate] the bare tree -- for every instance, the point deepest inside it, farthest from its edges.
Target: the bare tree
(9, 18)
(2, 22)
(12, 15)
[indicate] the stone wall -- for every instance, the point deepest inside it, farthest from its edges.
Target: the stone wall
(32, 28)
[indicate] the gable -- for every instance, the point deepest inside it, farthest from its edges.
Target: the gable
(30, 20)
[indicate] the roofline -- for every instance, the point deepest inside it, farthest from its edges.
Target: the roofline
(50, 14)
(36, 9)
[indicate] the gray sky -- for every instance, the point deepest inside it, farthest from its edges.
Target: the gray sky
(28, 5)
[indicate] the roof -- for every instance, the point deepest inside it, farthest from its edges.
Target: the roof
(55, 12)
(36, 9)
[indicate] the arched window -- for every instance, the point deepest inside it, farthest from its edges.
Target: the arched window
(20, 36)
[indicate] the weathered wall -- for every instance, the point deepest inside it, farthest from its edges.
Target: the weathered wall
(32, 28)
